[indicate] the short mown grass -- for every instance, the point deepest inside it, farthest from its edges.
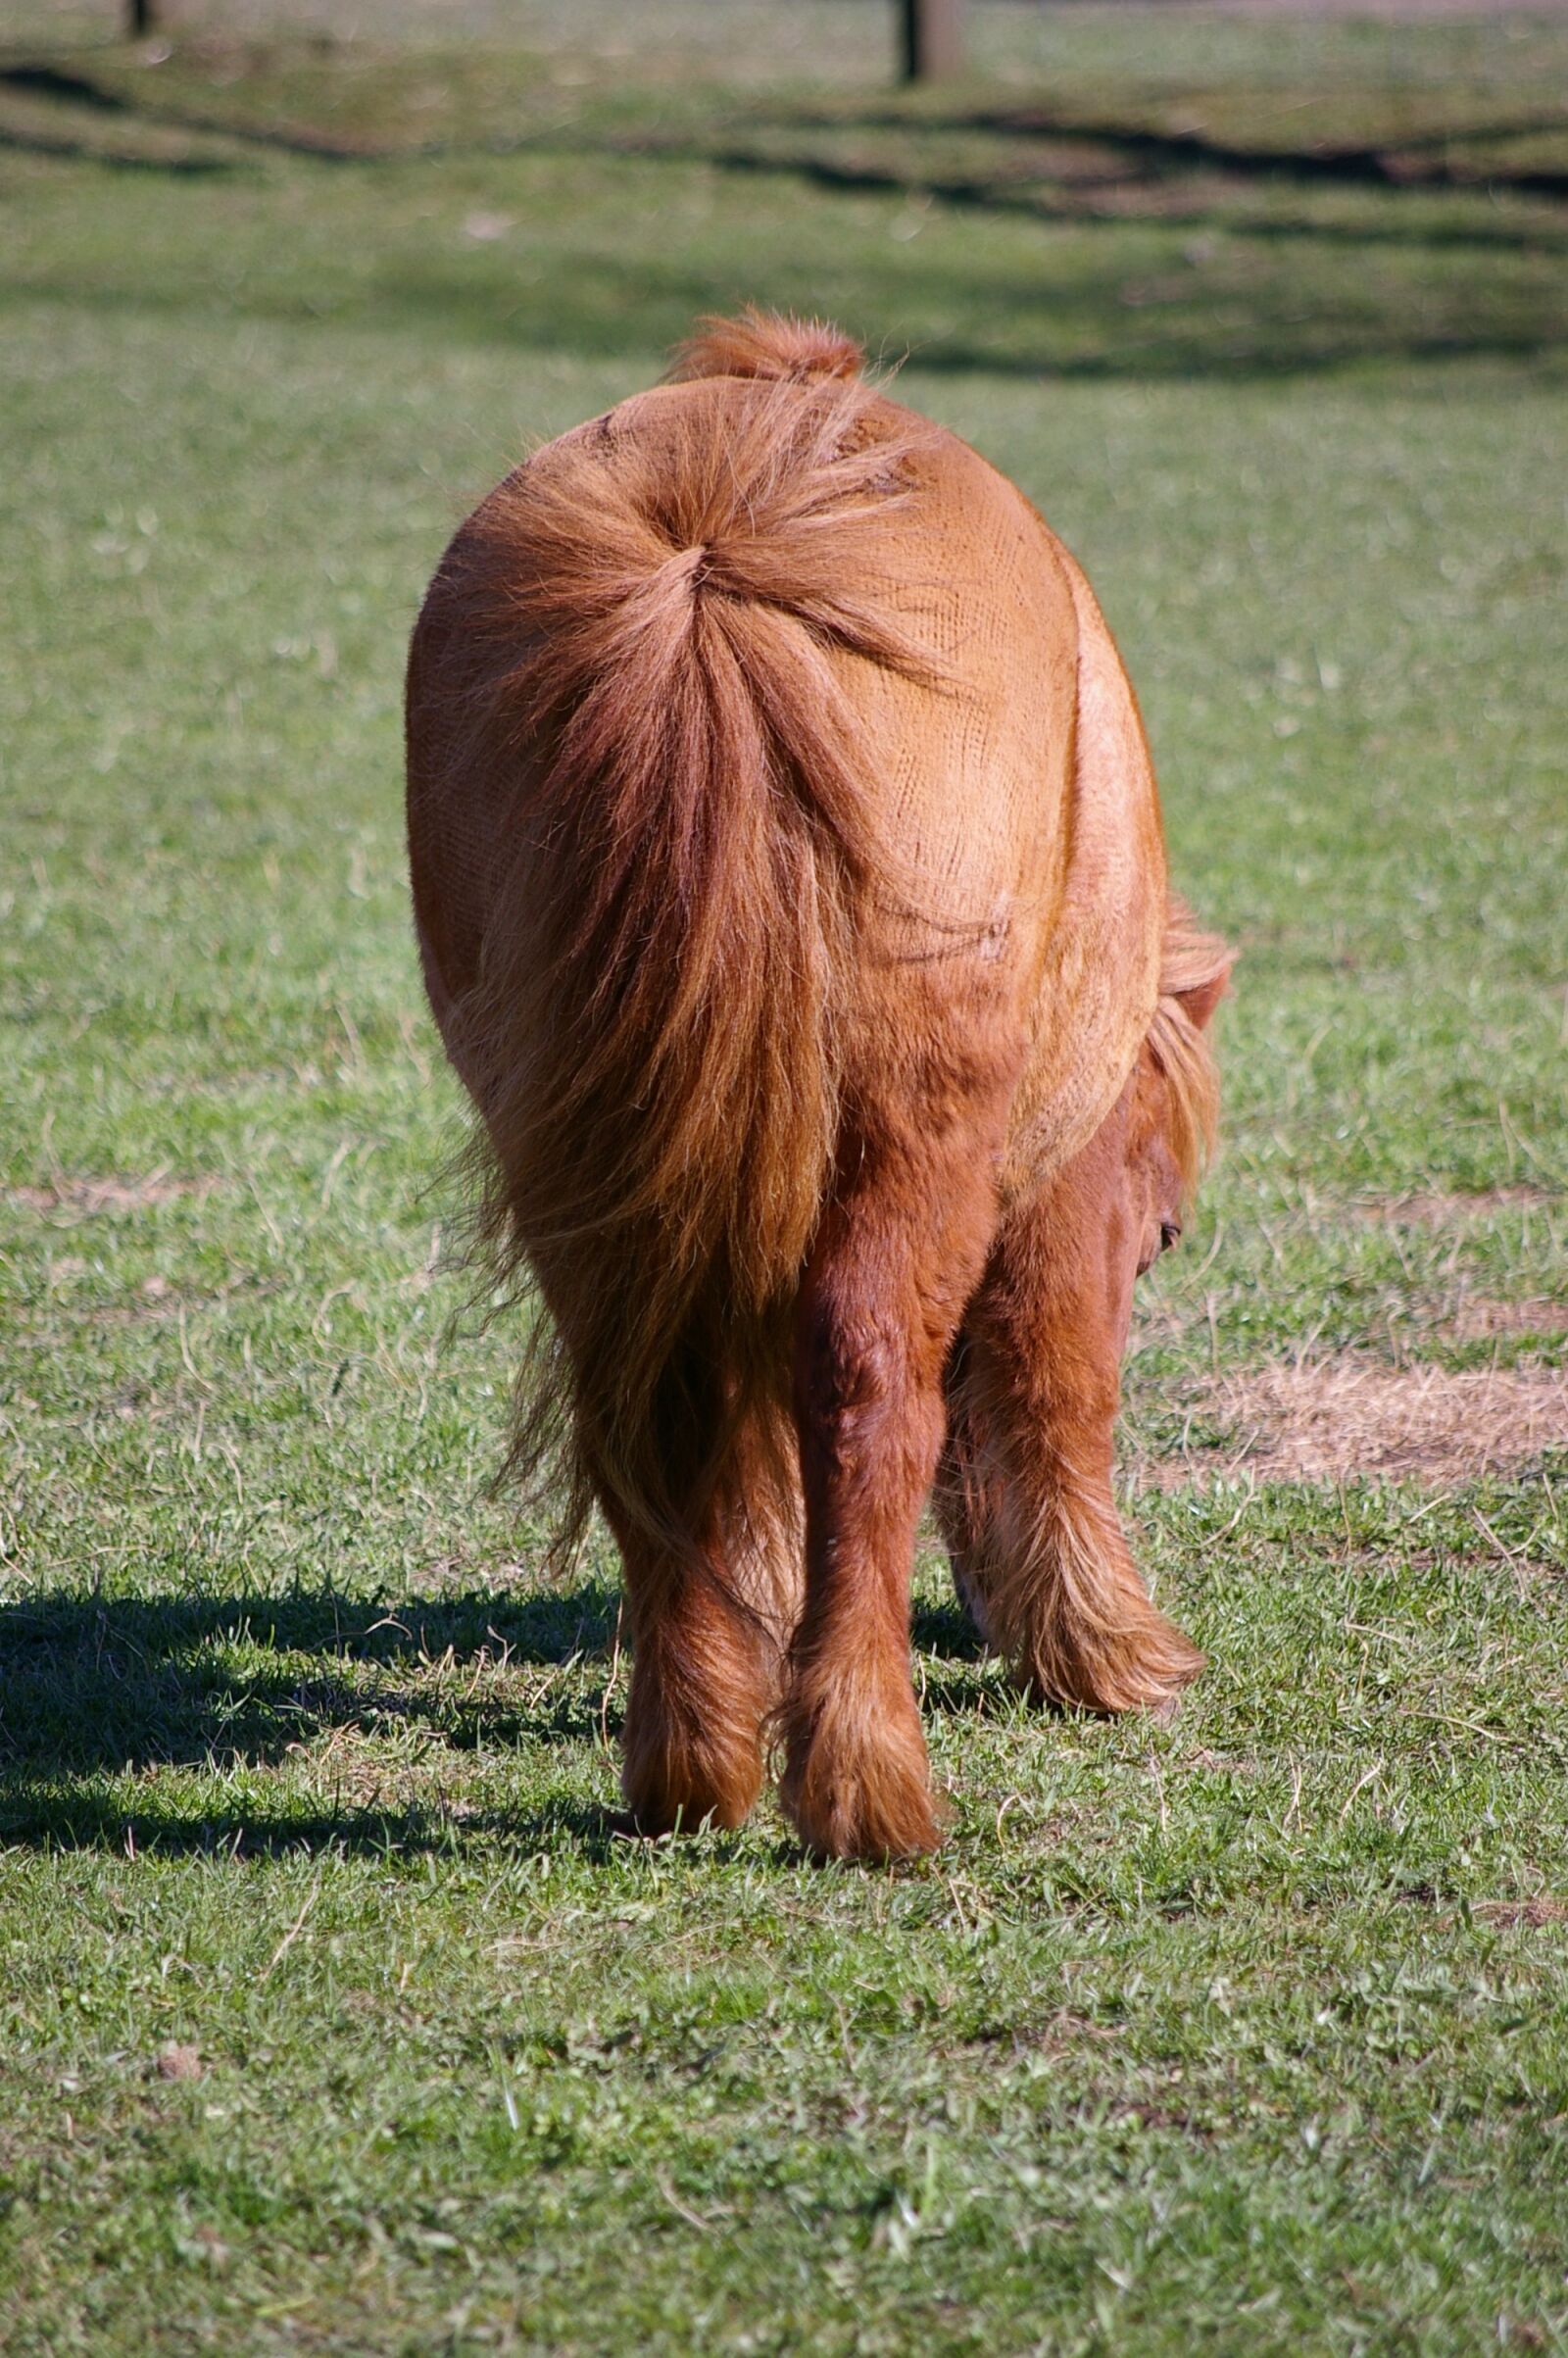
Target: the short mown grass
(335, 2015)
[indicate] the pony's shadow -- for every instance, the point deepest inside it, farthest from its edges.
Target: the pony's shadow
(93, 1687)
(945, 1630)
(79, 1816)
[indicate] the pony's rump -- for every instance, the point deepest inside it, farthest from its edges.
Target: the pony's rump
(640, 822)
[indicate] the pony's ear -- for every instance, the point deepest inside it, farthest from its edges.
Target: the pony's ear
(1201, 1001)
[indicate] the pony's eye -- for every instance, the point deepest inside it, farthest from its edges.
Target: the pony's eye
(1170, 1233)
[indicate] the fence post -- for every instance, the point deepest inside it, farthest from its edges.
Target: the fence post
(933, 39)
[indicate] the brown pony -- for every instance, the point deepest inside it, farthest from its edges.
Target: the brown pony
(790, 884)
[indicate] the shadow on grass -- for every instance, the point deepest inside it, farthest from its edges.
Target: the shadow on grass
(40, 1814)
(1125, 152)
(1404, 161)
(946, 1630)
(91, 1685)
(62, 82)
(94, 1688)
(25, 143)
(1105, 178)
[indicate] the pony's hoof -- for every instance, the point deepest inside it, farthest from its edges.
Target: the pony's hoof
(875, 1826)
(1144, 1669)
(860, 1793)
(663, 1796)
(653, 1816)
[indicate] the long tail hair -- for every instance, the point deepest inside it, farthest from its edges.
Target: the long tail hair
(652, 1034)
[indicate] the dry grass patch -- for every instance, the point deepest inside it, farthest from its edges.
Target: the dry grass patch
(1479, 1318)
(87, 1197)
(1336, 1419)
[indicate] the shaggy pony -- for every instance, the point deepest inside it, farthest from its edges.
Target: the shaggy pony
(790, 886)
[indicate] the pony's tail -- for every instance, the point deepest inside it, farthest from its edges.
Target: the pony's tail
(650, 616)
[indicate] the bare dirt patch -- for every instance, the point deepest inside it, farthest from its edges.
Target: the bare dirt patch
(178, 2061)
(1510, 1912)
(86, 1197)
(1434, 1208)
(1338, 1419)
(1222, 1763)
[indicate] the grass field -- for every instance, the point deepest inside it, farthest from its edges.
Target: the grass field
(335, 2014)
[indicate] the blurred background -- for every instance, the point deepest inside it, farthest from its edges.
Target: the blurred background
(336, 2018)
(1140, 189)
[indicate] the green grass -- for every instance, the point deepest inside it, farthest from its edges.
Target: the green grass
(1246, 2036)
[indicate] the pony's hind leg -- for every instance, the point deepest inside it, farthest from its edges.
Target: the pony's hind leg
(702, 1678)
(1024, 1494)
(900, 1249)
(709, 1626)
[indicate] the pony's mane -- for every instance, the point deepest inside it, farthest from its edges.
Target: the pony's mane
(767, 344)
(1194, 967)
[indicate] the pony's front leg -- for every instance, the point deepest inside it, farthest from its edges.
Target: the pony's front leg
(703, 1674)
(1024, 1496)
(895, 1260)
